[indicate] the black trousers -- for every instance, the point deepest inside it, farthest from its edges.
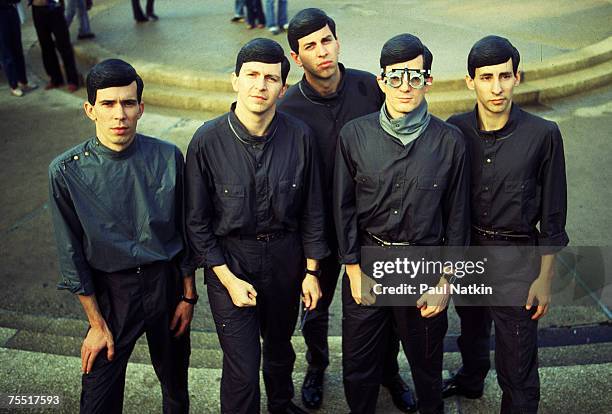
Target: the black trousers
(133, 304)
(516, 335)
(473, 343)
(276, 269)
(52, 32)
(137, 10)
(11, 49)
(317, 325)
(365, 335)
(255, 12)
(516, 359)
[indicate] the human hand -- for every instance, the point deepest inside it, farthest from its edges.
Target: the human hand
(540, 290)
(311, 291)
(432, 304)
(362, 286)
(183, 315)
(97, 338)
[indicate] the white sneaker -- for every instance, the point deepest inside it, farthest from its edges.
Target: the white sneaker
(274, 30)
(17, 92)
(286, 26)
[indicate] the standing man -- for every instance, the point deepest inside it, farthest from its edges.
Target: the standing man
(518, 181)
(327, 97)
(117, 209)
(400, 178)
(254, 212)
(52, 33)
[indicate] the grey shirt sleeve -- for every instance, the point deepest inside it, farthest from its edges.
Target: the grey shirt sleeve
(75, 272)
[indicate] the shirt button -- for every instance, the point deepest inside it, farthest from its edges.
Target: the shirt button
(435, 185)
(258, 165)
(293, 185)
(87, 153)
(226, 191)
(395, 211)
(488, 160)
(486, 188)
(485, 214)
(76, 157)
(397, 185)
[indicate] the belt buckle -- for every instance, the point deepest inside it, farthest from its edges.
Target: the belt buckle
(263, 237)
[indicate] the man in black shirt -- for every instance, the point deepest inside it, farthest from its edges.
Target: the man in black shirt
(254, 211)
(116, 202)
(518, 181)
(400, 177)
(328, 96)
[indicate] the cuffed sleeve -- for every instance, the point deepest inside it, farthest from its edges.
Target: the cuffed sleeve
(76, 275)
(456, 203)
(554, 197)
(344, 203)
(199, 214)
(312, 225)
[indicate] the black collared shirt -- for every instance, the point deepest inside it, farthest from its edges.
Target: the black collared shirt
(417, 193)
(113, 211)
(358, 94)
(238, 184)
(518, 176)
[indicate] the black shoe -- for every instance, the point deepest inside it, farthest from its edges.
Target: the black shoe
(401, 395)
(312, 389)
(450, 387)
(82, 36)
(291, 409)
(152, 16)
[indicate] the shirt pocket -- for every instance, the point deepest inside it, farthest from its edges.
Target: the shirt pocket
(231, 204)
(430, 190)
(367, 187)
(289, 200)
(521, 202)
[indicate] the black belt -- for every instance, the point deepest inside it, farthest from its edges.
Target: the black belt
(493, 234)
(385, 243)
(262, 236)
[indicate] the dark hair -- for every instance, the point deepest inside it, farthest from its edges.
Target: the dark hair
(305, 22)
(265, 51)
(110, 73)
(402, 48)
(492, 50)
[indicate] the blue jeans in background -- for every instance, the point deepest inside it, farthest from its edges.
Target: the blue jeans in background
(282, 13)
(79, 6)
(239, 8)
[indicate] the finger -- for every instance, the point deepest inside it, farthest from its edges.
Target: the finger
(435, 310)
(529, 301)
(110, 353)
(84, 356)
(251, 290)
(315, 300)
(357, 299)
(426, 311)
(539, 313)
(181, 330)
(307, 299)
(422, 301)
(175, 319)
(90, 361)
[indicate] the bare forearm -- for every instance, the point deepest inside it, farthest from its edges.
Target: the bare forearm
(90, 306)
(547, 266)
(312, 264)
(189, 288)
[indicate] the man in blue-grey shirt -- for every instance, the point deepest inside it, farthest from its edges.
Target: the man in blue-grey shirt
(117, 206)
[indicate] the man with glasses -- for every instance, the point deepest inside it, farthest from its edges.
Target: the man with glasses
(328, 96)
(400, 178)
